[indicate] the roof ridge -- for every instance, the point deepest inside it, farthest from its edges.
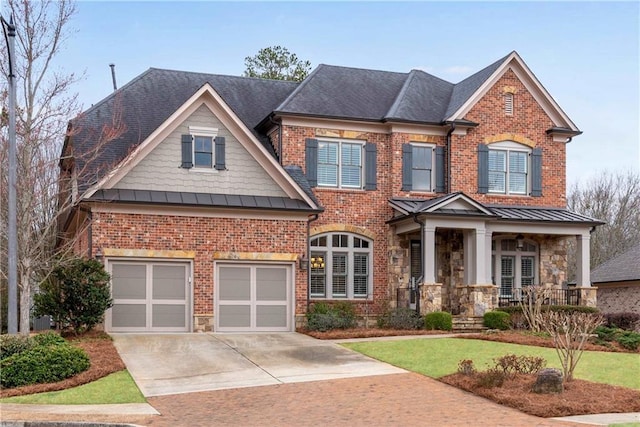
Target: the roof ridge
(224, 75)
(302, 84)
(403, 90)
(362, 69)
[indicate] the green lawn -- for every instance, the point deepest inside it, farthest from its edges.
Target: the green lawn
(118, 387)
(438, 357)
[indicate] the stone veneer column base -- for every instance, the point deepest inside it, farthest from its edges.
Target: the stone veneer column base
(588, 296)
(203, 323)
(430, 298)
(476, 300)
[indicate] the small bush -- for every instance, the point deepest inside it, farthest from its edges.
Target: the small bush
(497, 320)
(324, 317)
(438, 320)
(14, 344)
(76, 295)
(511, 364)
(606, 333)
(43, 364)
(400, 318)
(491, 378)
(629, 340)
(48, 338)
(626, 321)
(466, 367)
(563, 308)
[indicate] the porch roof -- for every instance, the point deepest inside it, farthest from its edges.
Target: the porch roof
(444, 205)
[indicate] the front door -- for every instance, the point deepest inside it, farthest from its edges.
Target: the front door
(416, 272)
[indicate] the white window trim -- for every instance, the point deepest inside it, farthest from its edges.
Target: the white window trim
(512, 146)
(517, 254)
(207, 132)
(433, 168)
(350, 251)
(339, 177)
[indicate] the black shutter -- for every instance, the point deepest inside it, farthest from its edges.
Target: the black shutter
(483, 169)
(440, 169)
(187, 152)
(220, 154)
(370, 165)
(407, 165)
(311, 161)
(536, 172)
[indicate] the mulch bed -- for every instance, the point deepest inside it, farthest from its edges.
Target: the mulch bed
(579, 397)
(104, 359)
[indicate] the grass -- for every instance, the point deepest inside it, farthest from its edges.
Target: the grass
(118, 387)
(436, 358)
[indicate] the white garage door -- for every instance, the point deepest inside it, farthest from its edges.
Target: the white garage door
(149, 296)
(253, 297)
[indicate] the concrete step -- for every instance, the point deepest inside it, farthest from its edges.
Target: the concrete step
(468, 324)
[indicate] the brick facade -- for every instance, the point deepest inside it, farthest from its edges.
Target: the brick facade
(623, 297)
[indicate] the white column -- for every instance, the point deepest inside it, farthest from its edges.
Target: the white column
(583, 255)
(469, 258)
(429, 262)
(482, 265)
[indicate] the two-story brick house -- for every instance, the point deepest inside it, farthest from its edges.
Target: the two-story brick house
(231, 203)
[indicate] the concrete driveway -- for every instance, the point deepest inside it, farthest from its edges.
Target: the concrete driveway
(163, 364)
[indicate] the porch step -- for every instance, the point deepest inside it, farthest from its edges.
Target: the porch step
(468, 324)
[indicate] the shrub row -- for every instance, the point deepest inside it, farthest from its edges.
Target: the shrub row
(627, 339)
(562, 308)
(323, 316)
(43, 358)
(627, 321)
(400, 318)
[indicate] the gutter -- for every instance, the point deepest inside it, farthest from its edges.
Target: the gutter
(448, 186)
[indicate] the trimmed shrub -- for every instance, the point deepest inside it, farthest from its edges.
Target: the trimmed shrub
(629, 340)
(400, 318)
(324, 317)
(466, 367)
(43, 364)
(438, 320)
(76, 295)
(48, 338)
(512, 364)
(626, 321)
(497, 320)
(14, 344)
(491, 378)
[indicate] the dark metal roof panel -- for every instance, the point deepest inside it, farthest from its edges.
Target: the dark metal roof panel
(541, 214)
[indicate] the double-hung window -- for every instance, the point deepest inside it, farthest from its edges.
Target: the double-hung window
(508, 168)
(422, 168)
(203, 149)
(340, 266)
(340, 164)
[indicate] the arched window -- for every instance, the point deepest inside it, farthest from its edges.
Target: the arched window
(513, 267)
(341, 266)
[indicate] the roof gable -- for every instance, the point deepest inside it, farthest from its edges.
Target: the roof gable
(207, 96)
(469, 91)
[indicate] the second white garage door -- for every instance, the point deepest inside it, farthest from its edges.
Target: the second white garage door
(253, 297)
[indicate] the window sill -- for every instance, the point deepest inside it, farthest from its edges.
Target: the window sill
(355, 299)
(203, 170)
(507, 194)
(342, 189)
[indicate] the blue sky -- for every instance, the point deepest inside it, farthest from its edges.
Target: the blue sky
(585, 53)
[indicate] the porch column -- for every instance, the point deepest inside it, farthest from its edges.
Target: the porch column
(482, 260)
(469, 258)
(583, 273)
(429, 250)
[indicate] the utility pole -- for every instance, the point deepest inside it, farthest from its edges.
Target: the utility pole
(9, 31)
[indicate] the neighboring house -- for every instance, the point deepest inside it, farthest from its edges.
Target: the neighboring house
(231, 203)
(618, 283)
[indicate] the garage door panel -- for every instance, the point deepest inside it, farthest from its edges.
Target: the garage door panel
(168, 282)
(235, 316)
(271, 284)
(129, 281)
(129, 315)
(168, 316)
(235, 284)
(271, 316)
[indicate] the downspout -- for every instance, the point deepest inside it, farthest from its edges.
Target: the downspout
(453, 127)
(312, 218)
(421, 224)
(279, 138)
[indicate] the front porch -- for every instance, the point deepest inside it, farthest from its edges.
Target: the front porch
(454, 254)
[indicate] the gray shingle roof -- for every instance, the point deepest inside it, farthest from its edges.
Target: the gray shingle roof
(624, 267)
(149, 99)
(201, 199)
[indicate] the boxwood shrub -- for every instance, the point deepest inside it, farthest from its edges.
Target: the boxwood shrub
(497, 320)
(14, 344)
(438, 320)
(43, 364)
